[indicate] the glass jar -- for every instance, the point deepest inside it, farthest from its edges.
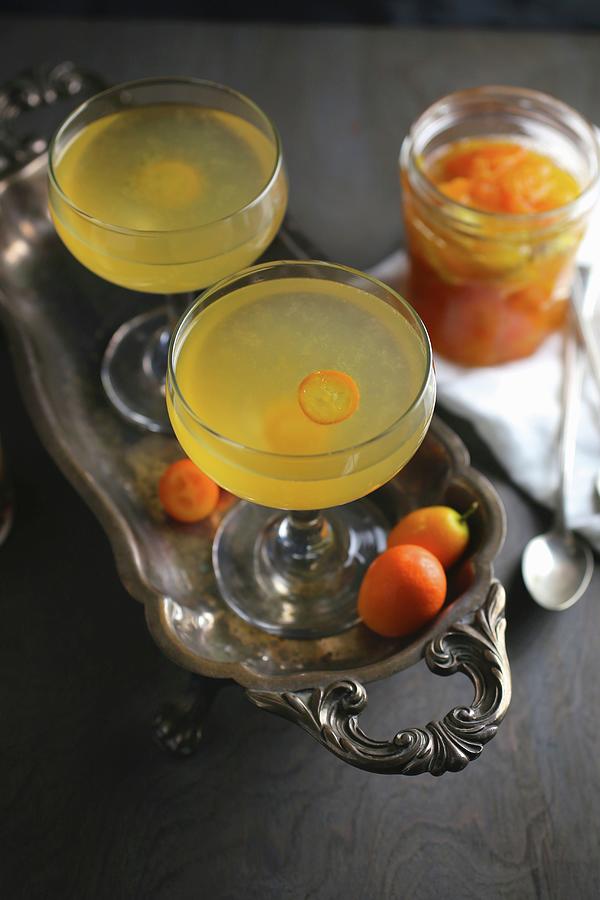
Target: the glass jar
(491, 286)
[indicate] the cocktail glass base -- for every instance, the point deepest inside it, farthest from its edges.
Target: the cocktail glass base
(134, 369)
(297, 574)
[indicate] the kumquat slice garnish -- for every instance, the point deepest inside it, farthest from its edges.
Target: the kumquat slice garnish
(328, 396)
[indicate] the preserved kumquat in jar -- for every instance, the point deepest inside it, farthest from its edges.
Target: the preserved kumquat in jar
(498, 184)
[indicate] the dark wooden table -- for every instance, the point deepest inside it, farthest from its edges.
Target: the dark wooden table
(91, 809)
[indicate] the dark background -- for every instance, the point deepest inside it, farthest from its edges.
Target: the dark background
(90, 807)
(495, 13)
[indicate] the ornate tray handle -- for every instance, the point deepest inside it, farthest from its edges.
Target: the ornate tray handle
(475, 647)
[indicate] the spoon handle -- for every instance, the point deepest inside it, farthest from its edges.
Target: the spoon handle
(570, 406)
(583, 303)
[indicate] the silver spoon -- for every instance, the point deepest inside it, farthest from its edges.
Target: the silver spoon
(557, 566)
(584, 301)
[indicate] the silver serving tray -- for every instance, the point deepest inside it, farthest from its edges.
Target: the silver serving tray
(59, 318)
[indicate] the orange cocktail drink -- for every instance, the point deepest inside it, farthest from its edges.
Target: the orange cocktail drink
(239, 366)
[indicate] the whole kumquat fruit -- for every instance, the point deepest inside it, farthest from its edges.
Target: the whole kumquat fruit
(403, 589)
(440, 529)
(186, 493)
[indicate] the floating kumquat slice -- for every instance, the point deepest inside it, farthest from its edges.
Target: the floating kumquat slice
(288, 430)
(168, 183)
(328, 396)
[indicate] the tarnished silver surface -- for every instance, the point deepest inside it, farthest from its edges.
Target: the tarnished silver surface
(59, 318)
(33, 90)
(474, 646)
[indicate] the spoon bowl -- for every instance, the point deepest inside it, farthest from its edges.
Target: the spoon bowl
(557, 569)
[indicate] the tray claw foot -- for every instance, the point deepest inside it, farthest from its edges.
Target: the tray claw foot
(178, 725)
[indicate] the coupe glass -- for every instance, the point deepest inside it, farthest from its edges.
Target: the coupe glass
(126, 170)
(235, 360)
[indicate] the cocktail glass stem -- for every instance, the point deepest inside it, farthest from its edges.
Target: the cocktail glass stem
(156, 353)
(297, 573)
(134, 367)
(300, 544)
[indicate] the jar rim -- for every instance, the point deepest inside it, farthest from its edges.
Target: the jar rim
(526, 101)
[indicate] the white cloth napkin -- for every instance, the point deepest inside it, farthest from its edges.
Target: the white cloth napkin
(515, 408)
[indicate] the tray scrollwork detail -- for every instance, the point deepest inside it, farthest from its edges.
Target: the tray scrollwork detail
(475, 647)
(33, 90)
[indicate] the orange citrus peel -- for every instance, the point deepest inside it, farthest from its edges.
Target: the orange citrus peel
(328, 396)
(503, 177)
